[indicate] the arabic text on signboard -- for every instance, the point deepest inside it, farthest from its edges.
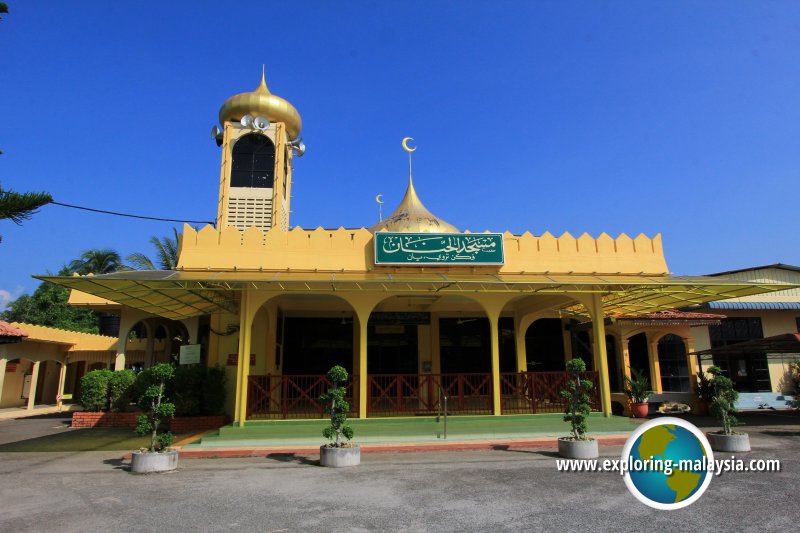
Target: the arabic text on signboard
(438, 248)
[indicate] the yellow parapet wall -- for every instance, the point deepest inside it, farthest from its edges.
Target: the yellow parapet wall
(76, 341)
(352, 250)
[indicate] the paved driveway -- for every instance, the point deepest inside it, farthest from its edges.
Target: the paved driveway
(442, 491)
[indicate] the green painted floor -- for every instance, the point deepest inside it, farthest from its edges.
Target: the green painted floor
(420, 429)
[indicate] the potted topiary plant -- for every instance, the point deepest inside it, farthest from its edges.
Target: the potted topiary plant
(637, 389)
(339, 452)
(578, 445)
(723, 407)
(159, 457)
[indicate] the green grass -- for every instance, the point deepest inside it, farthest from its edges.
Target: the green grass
(83, 440)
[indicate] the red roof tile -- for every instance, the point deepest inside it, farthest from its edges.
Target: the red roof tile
(7, 330)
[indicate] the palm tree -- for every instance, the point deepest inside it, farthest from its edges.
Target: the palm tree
(98, 261)
(166, 252)
(21, 206)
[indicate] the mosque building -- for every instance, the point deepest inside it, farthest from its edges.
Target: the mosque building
(411, 306)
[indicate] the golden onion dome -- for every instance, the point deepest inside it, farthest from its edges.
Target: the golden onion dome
(413, 217)
(264, 103)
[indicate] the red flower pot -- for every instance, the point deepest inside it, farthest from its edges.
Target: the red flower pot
(639, 410)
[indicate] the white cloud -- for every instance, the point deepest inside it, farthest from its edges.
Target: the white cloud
(6, 297)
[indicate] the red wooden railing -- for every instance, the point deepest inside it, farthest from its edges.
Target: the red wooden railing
(412, 394)
(292, 396)
(539, 392)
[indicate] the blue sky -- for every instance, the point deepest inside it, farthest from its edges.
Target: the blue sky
(679, 118)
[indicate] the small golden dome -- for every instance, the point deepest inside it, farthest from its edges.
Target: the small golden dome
(412, 217)
(264, 103)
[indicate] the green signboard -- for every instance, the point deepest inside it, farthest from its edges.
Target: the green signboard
(438, 248)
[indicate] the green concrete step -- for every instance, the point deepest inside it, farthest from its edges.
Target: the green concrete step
(421, 429)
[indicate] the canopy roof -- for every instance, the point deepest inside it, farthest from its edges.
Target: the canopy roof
(786, 343)
(184, 294)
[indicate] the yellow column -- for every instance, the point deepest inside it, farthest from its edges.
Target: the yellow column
(119, 361)
(655, 368)
(243, 364)
(2, 374)
(361, 369)
(151, 344)
(522, 350)
(62, 374)
(34, 384)
(626, 358)
(436, 352)
(600, 353)
(691, 361)
(362, 304)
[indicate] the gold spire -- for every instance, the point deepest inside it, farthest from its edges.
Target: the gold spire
(264, 103)
(411, 215)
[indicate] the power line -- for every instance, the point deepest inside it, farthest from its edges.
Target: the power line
(103, 211)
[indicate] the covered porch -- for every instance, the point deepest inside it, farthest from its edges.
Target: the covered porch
(407, 336)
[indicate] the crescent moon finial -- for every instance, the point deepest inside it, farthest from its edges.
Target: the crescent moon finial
(378, 199)
(405, 145)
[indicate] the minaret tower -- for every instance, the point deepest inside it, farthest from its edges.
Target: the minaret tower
(259, 136)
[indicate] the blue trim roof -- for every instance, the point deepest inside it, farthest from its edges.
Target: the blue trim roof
(754, 305)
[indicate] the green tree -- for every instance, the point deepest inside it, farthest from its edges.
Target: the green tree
(155, 406)
(4, 10)
(18, 207)
(48, 306)
(166, 254)
(577, 398)
(98, 261)
(337, 407)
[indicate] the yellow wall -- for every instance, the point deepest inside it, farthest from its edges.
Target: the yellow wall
(12, 386)
(352, 250)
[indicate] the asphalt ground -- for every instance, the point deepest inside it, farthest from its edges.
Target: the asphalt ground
(515, 489)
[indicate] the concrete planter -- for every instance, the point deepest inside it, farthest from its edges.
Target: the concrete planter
(578, 449)
(339, 457)
(144, 462)
(739, 442)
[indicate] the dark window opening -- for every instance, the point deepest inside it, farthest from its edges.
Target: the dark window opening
(749, 371)
(464, 345)
(672, 364)
(313, 345)
(253, 162)
(637, 352)
(544, 343)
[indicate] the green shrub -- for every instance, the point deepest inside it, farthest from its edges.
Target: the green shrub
(154, 404)
(724, 400)
(187, 390)
(120, 388)
(214, 391)
(337, 407)
(198, 390)
(578, 407)
(94, 390)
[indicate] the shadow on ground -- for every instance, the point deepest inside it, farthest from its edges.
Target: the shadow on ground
(292, 458)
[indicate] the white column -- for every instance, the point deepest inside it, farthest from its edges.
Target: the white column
(2, 374)
(62, 374)
(34, 384)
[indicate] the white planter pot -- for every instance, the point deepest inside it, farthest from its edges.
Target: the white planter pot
(739, 442)
(578, 449)
(144, 462)
(339, 457)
